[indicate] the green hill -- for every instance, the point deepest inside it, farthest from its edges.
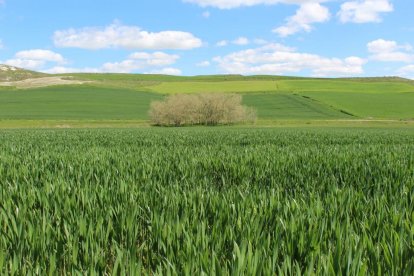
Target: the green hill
(128, 96)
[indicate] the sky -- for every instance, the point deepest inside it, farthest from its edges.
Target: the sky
(315, 38)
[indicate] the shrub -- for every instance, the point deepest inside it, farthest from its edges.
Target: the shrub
(200, 109)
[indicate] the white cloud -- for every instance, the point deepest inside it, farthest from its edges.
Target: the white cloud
(222, 43)
(121, 67)
(231, 4)
(155, 59)
(205, 63)
(206, 14)
(241, 41)
(260, 41)
(1, 44)
(306, 15)
(276, 59)
(407, 71)
(238, 41)
(364, 11)
(25, 63)
(139, 61)
(39, 54)
(125, 66)
(166, 71)
(388, 50)
(128, 37)
(66, 70)
(35, 59)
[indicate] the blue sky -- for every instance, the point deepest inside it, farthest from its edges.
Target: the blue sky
(323, 38)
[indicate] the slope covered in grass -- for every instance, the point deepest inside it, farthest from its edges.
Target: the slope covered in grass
(377, 98)
(383, 105)
(128, 96)
(98, 103)
(284, 85)
(290, 106)
(75, 102)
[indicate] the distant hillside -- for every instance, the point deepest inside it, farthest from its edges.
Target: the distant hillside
(11, 73)
(129, 96)
(109, 77)
(380, 79)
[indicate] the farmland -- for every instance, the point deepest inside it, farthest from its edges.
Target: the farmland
(215, 201)
(75, 102)
(128, 97)
(322, 183)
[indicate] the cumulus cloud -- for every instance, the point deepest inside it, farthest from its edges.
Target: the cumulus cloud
(222, 43)
(205, 63)
(128, 37)
(238, 41)
(154, 59)
(260, 41)
(407, 71)
(39, 54)
(276, 59)
(139, 61)
(241, 41)
(35, 59)
(364, 11)
(305, 16)
(166, 71)
(230, 4)
(388, 50)
(26, 64)
(66, 70)
(109, 69)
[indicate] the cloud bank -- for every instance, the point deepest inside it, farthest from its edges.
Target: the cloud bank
(306, 15)
(390, 51)
(277, 59)
(127, 37)
(364, 11)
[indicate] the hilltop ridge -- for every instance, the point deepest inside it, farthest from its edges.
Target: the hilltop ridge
(12, 73)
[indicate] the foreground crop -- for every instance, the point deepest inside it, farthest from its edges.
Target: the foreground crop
(217, 201)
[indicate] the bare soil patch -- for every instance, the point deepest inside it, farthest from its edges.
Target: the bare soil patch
(42, 82)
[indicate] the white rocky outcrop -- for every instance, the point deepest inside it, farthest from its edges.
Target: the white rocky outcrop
(7, 68)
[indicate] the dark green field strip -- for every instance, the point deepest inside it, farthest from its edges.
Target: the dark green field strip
(290, 106)
(75, 102)
(366, 105)
(198, 201)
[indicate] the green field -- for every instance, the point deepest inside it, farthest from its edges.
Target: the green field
(193, 201)
(128, 97)
(290, 106)
(398, 105)
(75, 102)
(290, 85)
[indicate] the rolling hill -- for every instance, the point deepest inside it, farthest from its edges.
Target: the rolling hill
(128, 96)
(11, 73)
